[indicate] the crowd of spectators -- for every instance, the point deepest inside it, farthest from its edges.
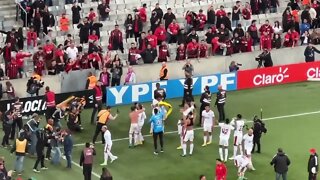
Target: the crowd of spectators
(225, 32)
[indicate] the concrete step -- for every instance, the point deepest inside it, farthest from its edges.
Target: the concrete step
(3, 2)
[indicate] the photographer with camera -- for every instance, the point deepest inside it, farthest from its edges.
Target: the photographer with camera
(34, 84)
(234, 67)
(258, 128)
(264, 59)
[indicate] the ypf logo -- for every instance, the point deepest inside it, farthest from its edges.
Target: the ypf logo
(313, 73)
(265, 79)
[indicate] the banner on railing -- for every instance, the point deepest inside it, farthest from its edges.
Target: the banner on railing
(278, 75)
(38, 104)
(174, 88)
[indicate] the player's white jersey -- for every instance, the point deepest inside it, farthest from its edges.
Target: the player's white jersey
(248, 141)
(238, 126)
(207, 118)
(225, 130)
(141, 118)
(241, 161)
(107, 137)
(187, 111)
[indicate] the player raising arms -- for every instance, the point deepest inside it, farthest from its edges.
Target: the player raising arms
(225, 132)
(241, 162)
(207, 124)
(142, 117)
(247, 144)
(238, 123)
(188, 107)
(134, 128)
(188, 134)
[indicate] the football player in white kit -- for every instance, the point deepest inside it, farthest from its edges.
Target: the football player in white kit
(207, 124)
(225, 132)
(247, 144)
(107, 146)
(188, 134)
(241, 162)
(188, 107)
(141, 119)
(238, 123)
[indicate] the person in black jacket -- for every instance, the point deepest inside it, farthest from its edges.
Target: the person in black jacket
(142, 42)
(187, 91)
(205, 100)
(95, 26)
(76, 13)
(42, 140)
(211, 15)
(158, 11)
(149, 55)
(106, 175)
(155, 21)
(84, 31)
(7, 125)
(281, 163)
(128, 24)
(313, 165)
(258, 128)
(220, 102)
(181, 37)
(309, 53)
(265, 58)
(103, 10)
(168, 17)
(4, 174)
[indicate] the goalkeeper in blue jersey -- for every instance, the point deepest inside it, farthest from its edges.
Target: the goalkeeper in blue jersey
(157, 121)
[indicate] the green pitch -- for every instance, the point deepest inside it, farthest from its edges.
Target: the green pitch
(292, 113)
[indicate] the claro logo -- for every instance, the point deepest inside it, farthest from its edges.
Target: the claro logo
(313, 73)
(266, 79)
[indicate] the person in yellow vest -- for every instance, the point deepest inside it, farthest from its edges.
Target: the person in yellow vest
(19, 148)
(91, 81)
(103, 117)
(164, 72)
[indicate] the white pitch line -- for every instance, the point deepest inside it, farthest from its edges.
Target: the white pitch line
(199, 128)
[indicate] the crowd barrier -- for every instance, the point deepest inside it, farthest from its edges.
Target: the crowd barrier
(244, 79)
(37, 104)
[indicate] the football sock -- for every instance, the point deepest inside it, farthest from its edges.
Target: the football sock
(191, 148)
(221, 153)
(184, 148)
(226, 153)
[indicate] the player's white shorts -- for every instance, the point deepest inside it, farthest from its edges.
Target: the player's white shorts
(224, 142)
(207, 128)
(188, 136)
(134, 128)
(248, 151)
(140, 124)
(237, 140)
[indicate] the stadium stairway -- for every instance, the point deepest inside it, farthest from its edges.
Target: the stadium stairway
(7, 14)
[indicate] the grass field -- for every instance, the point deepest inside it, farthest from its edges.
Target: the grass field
(292, 117)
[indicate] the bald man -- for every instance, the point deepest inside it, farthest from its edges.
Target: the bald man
(247, 145)
(220, 101)
(107, 146)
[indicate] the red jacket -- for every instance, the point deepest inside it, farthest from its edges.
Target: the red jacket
(163, 53)
(203, 19)
(153, 40)
(115, 36)
(221, 172)
(39, 67)
(32, 38)
(174, 28)
(91, 16)
(98, 92)
(50, 98)
(20, 58)
(93, 37)
(265, 42)
(181, 53)
(161, 34)
(48, 49)
(247, 43)
(266, 28)
(246, 13)
(203, 50)
(221, 13)
(12, 70)
(143, 14)
(192, 50)
(132, 54)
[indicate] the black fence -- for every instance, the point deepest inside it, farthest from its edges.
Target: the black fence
(38, 104)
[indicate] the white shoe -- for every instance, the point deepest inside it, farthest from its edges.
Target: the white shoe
(104, 164)
(253, 169)
(115, 158)
(231, 158)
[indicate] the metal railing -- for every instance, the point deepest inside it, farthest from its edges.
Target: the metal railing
(19, 6)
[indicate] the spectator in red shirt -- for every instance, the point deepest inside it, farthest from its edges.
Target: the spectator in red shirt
(181, 52)
(132, 55)
(246, 15)
(266, 28)
(295, 37)
(20, 60)
(221, 13)
(92, 15)
(152, 39)
(247, 43)
(137, 26)
(48, 52)
(94, 60)
(39, 66)
(142, 42)
(93, 37)
(59, 58)
(202, 18)
(173, 31)
(221, 170)
(12, 69)
(115, 39)
(163, 54)
(143, 13)
(265, 41)
(31, 38)
(161, 33)
(203, 49)
(192, 49)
